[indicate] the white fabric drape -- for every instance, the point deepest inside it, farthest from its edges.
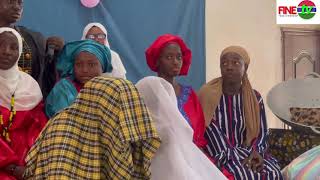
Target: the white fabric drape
(178, 157)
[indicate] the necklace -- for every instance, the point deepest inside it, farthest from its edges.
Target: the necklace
(5, 129)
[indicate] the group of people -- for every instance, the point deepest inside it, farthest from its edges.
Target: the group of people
(74, 115)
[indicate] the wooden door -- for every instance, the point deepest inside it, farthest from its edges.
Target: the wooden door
(301, 52)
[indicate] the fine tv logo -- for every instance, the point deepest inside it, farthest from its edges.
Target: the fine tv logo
(305, 10)
(297, 12)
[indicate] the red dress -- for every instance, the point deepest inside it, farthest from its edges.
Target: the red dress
(190, 108)
(25, 129)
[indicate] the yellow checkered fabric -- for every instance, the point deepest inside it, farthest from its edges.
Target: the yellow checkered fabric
(107, 133)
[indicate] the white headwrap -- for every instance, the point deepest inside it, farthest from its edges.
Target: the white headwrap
(178, 157)
(119, 70)
(26, 90)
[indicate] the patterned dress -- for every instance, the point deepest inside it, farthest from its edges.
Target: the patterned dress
(107, 133)
(226, 136)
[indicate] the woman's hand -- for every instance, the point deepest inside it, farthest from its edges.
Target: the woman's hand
(254, 161)
(16, 171)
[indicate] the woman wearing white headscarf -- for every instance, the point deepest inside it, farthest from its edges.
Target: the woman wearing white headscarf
(98, 32)
(21, 108)
(178, 157)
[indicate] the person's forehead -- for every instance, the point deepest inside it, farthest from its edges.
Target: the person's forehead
(85, 54)
(7, 35)
(95, 30)
(171, 46)
(231, 55)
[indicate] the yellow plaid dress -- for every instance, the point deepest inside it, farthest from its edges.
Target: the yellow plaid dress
(107, 133)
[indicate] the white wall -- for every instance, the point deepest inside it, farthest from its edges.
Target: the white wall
(251, 24)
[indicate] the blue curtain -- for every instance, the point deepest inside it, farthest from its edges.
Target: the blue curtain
(132, 26)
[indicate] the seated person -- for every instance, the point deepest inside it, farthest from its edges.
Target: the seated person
(107, 133)
(170, 57)
(21, 109)
(78, 62)
(236, 120)
(97, 32)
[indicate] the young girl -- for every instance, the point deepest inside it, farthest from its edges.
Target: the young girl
(79, 62)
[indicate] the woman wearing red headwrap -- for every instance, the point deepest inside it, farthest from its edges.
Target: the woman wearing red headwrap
(170, 57)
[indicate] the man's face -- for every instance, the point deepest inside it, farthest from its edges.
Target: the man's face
(11, 10)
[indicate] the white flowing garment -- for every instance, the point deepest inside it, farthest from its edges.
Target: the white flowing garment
(118, 70)
(178, 157)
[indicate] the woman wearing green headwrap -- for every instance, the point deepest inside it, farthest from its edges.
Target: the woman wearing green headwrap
(78, 62)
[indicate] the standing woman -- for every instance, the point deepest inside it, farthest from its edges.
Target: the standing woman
(21, 108)
(170, 57)
(97, 32)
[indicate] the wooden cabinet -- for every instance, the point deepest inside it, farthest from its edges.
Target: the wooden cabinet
(300, 51)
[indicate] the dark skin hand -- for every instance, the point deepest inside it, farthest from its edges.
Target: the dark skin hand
(57, 42)
(254, 161)
(16, 171)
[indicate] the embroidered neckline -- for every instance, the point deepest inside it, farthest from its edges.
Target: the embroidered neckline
(182, 99)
